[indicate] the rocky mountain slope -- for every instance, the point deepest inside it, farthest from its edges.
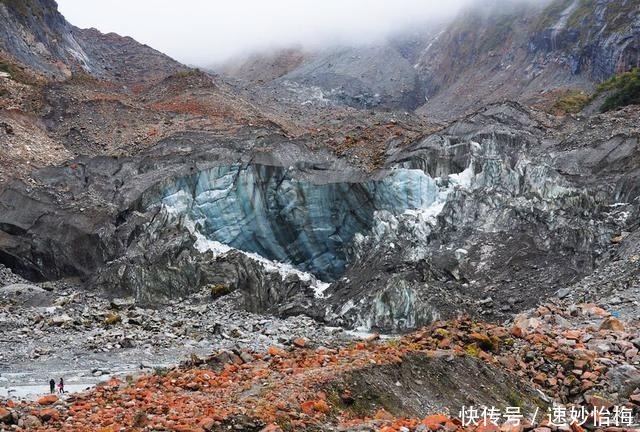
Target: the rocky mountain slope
(264, 230)
(36, 36)
(530, 52)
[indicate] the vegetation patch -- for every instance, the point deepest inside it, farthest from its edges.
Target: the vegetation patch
(219, 290)
(625, 90)
(572, 102)
(189, 73)
(551, 14)
(581, 13)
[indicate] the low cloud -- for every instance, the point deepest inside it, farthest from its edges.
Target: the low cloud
(203, 32)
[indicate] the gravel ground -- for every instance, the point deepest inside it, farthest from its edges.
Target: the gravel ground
(58, 330)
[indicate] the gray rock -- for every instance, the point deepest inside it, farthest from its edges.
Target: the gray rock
(26, 294)
(30, 422)
(624, 379)
(60, 320)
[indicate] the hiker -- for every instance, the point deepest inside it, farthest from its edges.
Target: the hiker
(61, 386)
(52, 386)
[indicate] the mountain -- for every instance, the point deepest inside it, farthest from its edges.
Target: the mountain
(356, 238)
(531, 52)
(69, 92)
(36, 37)
(524, 51)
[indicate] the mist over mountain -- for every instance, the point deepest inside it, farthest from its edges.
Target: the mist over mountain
(203, 33)
(353, 216)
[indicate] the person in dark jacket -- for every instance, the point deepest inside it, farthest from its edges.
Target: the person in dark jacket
(52, 385)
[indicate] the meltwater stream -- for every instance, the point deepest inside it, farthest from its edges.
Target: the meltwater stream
(264, 211)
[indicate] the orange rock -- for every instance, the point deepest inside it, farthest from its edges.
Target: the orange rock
(434, 422)
(276, 352)
(480, 338)
(5, 416)
(576, 427)
(48, 414)
(509, 426)
(540, 378)
(489, 427)
(299, 342)
(444, 343)
(382, 414)
(207, 424)
(307, 407)
(321, 406)
(516, 331)
(592, 309)
(48, 400)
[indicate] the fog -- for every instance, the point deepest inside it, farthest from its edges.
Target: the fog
(203, 32)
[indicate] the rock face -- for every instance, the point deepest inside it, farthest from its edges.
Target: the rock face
(488, 215)
(517, 223)
(346, 77)
(459, 220)
(35, 35)
(522, 51)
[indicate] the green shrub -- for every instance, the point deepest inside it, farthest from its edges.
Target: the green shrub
(625, 90)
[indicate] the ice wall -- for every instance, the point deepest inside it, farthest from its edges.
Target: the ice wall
(263, 210)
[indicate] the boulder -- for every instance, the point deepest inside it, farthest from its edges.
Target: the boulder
(26, 294)
(624, 379)
(48, 400)
(48, 414)
(60, 320)
(612, 323)
(123, 303)
(222, 358)
(5, 416)
(299, 342)
(207, 424)
(30, 422)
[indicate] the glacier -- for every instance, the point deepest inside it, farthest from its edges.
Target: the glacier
(299, 225)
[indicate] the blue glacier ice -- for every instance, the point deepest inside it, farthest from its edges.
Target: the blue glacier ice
(263, 210)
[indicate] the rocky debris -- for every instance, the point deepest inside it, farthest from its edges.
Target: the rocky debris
(102, 336)
(377, 384)
(7, 277)
(25, 294)
(416, 263)
(39, 37)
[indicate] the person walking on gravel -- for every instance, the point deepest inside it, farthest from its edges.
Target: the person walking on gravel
(52, 385)
(61, 386)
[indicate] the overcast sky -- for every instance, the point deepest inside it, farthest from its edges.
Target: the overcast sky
(202, 32)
